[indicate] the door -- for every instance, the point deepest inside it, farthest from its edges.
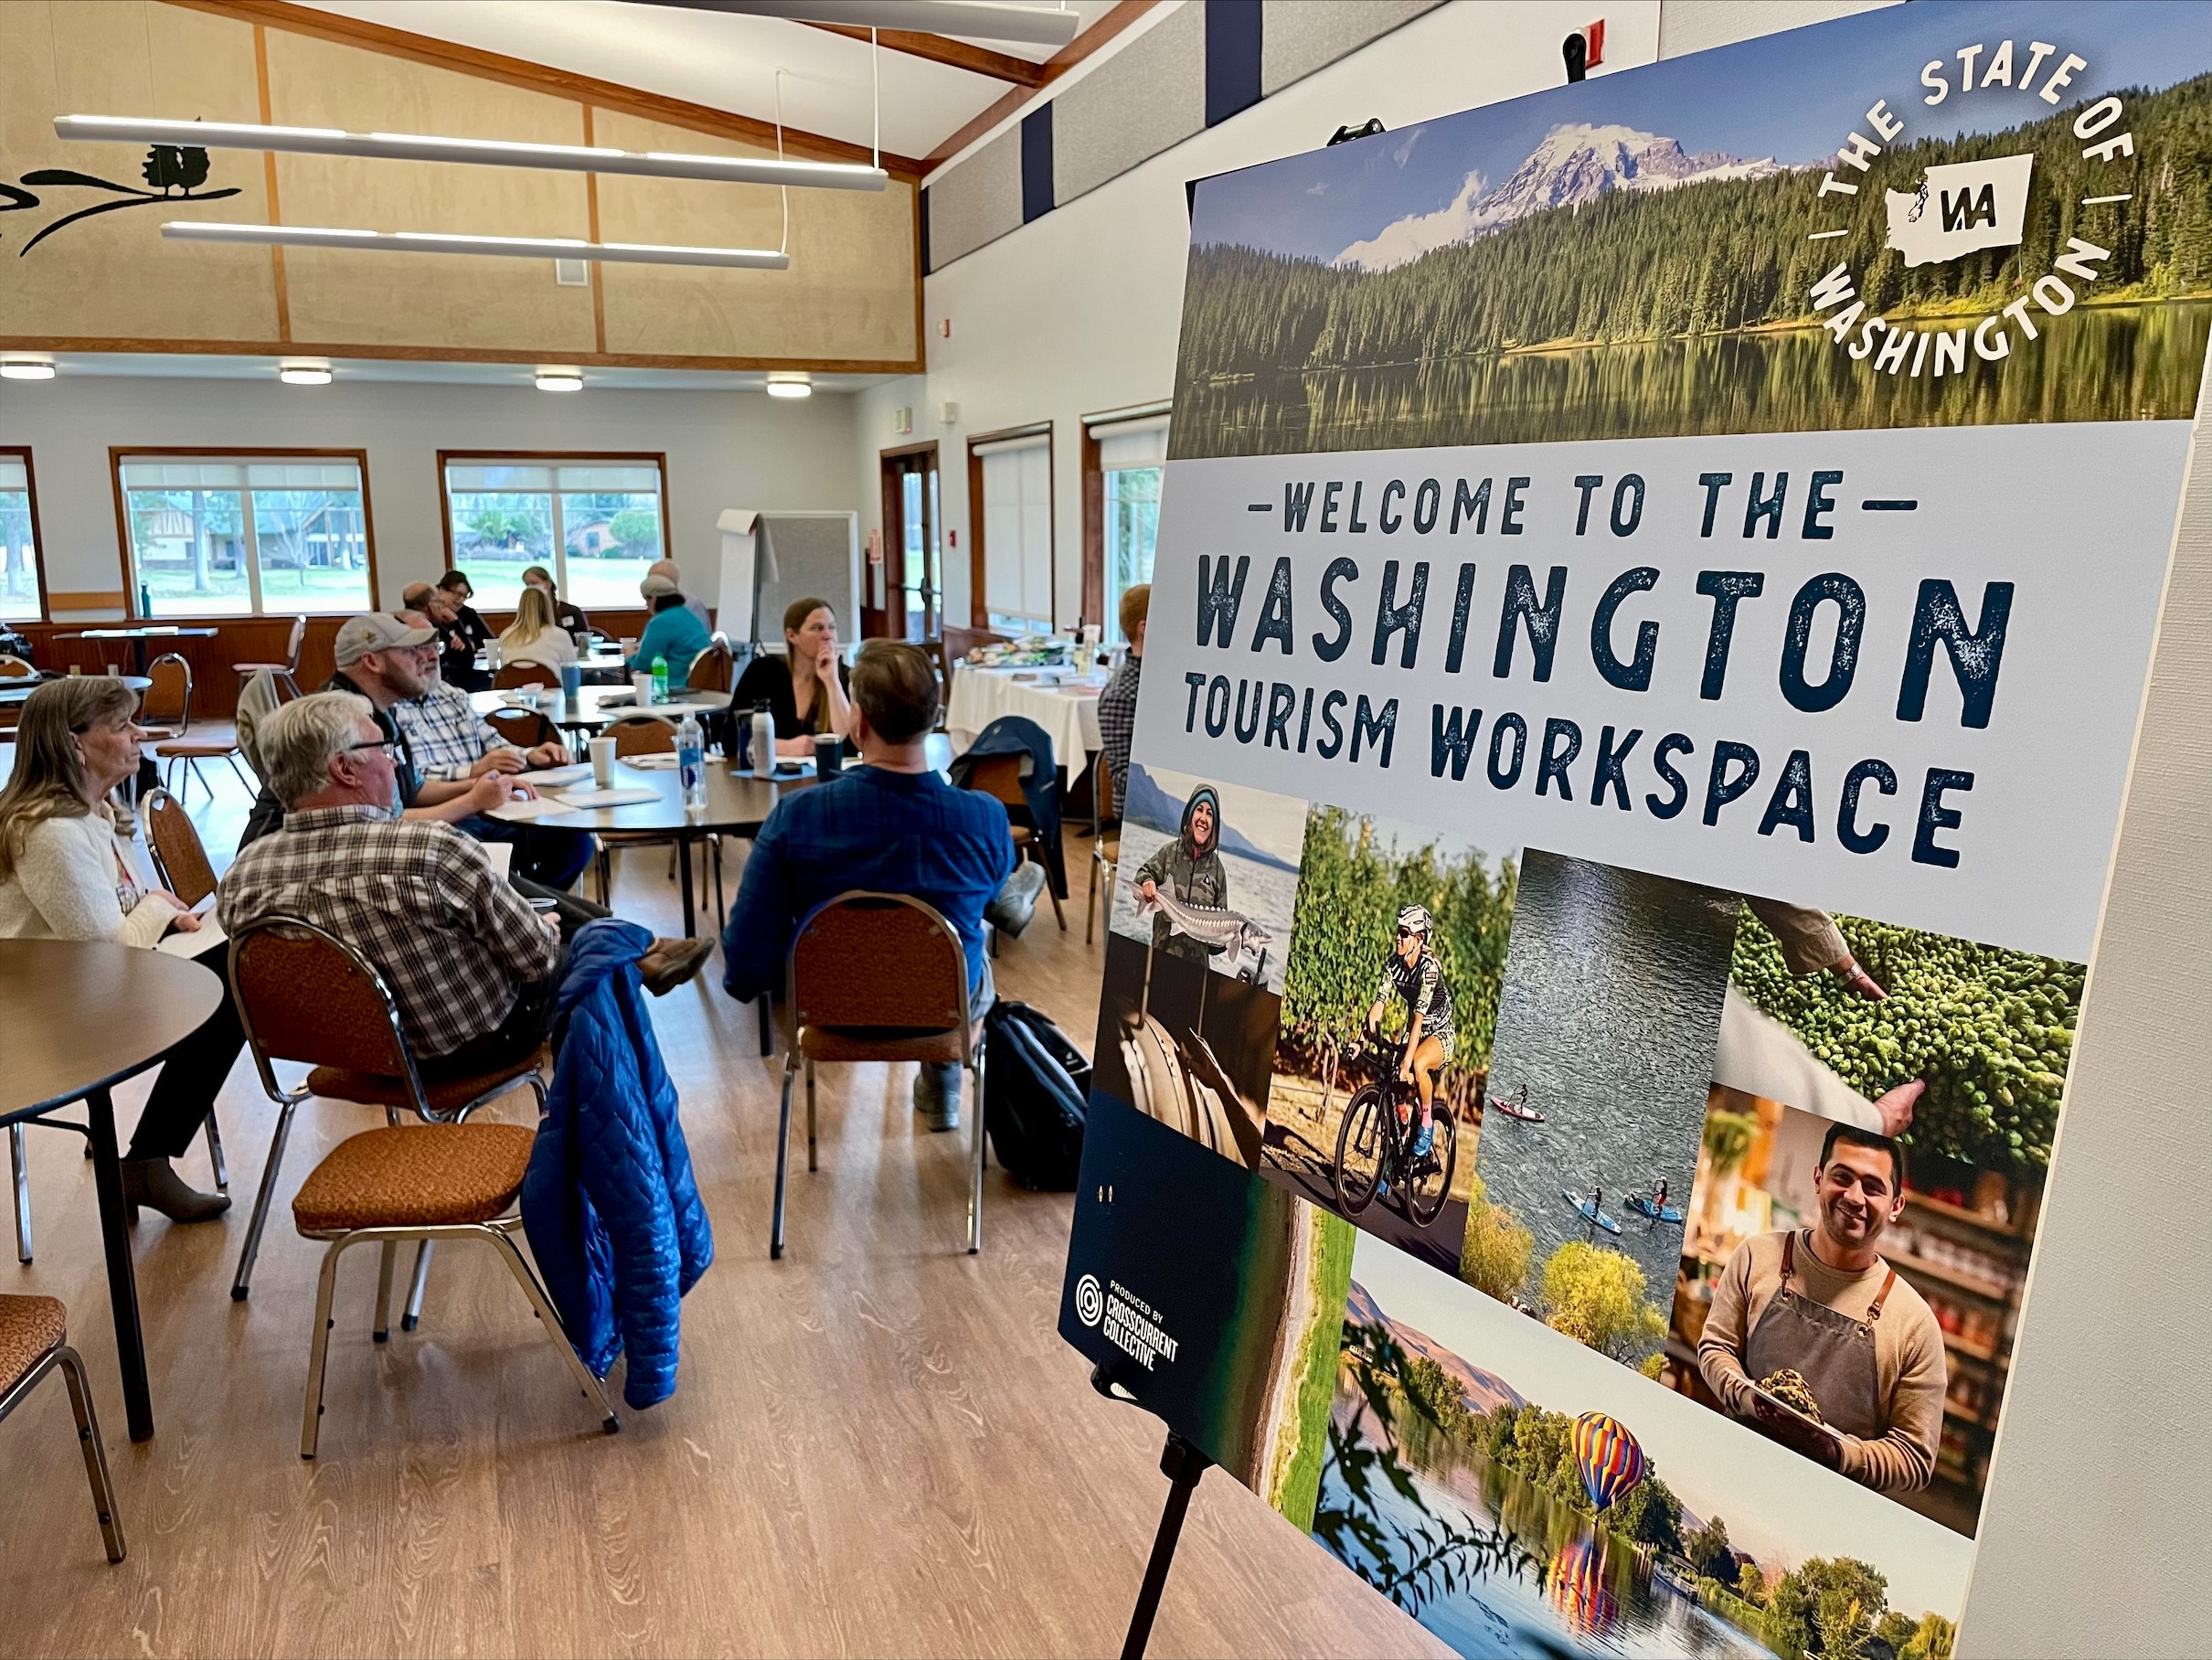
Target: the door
(905, 589)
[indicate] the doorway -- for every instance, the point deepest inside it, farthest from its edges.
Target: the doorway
(905, 589)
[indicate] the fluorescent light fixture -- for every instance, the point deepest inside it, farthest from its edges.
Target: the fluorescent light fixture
(304, 374)
(485, 151)
(560, 380)
(438, 241)
(25, 368)
(790, 385)
(1033, 25)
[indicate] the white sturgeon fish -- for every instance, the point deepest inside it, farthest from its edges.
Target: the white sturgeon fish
(1228, 930)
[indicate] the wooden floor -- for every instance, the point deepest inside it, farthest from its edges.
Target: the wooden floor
(878, 1446)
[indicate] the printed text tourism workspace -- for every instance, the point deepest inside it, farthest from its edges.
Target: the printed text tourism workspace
(1380, 604)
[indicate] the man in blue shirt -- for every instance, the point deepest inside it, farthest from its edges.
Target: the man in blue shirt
(891, 825)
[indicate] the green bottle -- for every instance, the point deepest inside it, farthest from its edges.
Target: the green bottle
(660, 679)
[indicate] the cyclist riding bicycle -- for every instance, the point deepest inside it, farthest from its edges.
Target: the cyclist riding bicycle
(1412, 973)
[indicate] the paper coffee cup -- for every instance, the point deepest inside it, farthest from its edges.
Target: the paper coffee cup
(602, 762)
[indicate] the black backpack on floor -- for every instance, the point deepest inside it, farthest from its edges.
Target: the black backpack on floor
(1036, 1084)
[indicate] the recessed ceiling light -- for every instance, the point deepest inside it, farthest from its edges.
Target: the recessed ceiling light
(21, 369)
(790, 385)
(560, 380)
(304, 374)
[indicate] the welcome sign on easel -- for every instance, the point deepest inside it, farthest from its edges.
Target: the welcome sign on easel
(1656, 586)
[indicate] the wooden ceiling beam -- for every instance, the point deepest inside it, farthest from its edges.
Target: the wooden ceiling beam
(543, 78)
(1124, 13)
(937, 49)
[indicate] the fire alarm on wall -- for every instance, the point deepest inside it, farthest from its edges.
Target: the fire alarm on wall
(902, 421)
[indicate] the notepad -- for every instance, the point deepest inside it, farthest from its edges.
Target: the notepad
(583, 800)
(551, 778)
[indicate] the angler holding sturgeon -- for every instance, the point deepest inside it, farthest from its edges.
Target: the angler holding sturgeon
(1185, 887)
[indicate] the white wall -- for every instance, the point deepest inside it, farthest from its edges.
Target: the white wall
(1078, 311)
(724, 450)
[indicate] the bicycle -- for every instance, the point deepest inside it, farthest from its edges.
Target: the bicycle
(1372, 1144)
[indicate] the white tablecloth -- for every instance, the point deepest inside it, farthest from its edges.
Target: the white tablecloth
(1070, 714)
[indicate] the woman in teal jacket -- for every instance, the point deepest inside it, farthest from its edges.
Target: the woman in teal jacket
(673, 632)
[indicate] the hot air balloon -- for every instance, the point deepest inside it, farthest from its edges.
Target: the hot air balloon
(1609, 1460)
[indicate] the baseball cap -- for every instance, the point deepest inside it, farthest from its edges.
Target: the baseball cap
(375, 632)
(654, 587)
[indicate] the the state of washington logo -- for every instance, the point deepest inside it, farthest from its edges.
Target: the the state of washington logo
(1935, 213)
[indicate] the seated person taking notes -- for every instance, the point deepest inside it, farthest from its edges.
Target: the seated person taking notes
(1820, 1301)
(892, 824)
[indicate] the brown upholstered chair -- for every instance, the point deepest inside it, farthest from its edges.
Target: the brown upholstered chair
(34, 1341)
(713, 670)
(305, 995)
(15, 668)
(285, 672)
(878, 976)
(514, 676)
(167, 707)
(421, 1182)
(1000, 776)
(525, 729)
(1105, 842)
(182, 864)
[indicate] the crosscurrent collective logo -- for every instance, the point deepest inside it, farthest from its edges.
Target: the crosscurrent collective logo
(1948, 211)
(1089, 1301)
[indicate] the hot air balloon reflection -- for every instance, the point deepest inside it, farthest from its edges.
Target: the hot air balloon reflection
(1610, 1460)
(1579, 1589)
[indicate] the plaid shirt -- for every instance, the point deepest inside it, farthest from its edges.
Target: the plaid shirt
(416, 897)
(447, 736)
(1118, 724)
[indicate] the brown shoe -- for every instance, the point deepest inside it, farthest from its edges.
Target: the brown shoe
(669, 963)
(152, 1183)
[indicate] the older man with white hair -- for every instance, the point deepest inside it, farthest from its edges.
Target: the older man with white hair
(672, 573)
(472, 966)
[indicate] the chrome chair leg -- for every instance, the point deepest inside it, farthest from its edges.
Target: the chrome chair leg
(413, 1316)
(95, 1454)
(242, 1283)
(775, 1226)
(19, 1164)
(215, 1154)
(975, 1177)
(318, 1353)
(1092, 899)
(542, 1306)
(810, 1164)
(387, 1258)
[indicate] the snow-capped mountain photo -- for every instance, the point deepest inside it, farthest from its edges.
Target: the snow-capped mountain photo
(1574, 164)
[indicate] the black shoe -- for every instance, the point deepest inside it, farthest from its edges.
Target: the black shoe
(1016, 902)
(151, 1183)
(670, 963)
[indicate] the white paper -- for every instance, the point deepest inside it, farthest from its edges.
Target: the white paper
(579, 800)
(209, 935)
(500, 855)
(552, 777)
(523, 807)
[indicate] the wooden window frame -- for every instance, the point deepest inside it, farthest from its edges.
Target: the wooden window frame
(238, 452)
(30, 484)
(979, 605)
(1094, 502)
(659, 458)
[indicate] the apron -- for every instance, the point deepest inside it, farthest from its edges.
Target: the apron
(1834, 1353)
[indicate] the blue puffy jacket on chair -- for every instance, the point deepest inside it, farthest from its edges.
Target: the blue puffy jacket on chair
(612, 1214)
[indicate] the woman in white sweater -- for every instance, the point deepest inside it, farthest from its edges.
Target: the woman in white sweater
(534, 636)
(64, 876)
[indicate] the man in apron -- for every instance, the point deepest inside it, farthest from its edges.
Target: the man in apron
(1822, 1303)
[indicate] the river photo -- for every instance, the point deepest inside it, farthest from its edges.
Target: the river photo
(2126, 362)
(1536, 1577)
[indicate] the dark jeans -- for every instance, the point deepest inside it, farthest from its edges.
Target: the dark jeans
(569, 910)
(192, 1074)
(514, 1040)
(556, 858)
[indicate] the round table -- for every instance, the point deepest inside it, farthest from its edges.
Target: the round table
(80, 1018)
(592, 708)
(16, 691)
(1066, 709)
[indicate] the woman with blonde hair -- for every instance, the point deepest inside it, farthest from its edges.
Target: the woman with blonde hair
(65, 875)
(535, 635)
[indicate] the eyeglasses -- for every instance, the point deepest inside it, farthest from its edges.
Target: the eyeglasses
(373, 743)
(1409, 933)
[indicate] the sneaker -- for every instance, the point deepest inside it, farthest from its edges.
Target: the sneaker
(939, 1112)
(1425, 1139)
(1015, 903)
(669, 963)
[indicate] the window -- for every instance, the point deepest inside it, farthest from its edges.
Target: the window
(595, 523)
(246, 535)
(22, 588)
(1015, 539)
(1131, 456)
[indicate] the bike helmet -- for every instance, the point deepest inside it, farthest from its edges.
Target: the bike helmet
(1415, 919)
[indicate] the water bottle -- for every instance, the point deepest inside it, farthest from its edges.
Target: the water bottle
(660, 679)
(691, 762)
(763, 740)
